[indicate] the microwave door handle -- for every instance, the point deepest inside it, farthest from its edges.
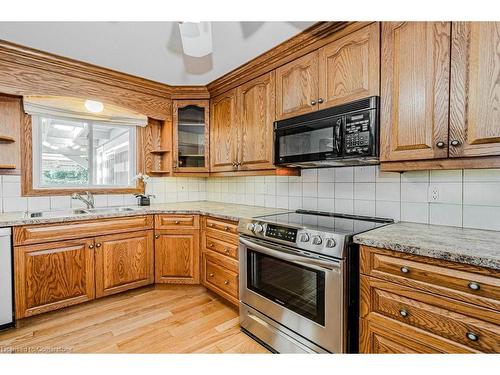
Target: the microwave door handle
(337, 135)
(282, 253)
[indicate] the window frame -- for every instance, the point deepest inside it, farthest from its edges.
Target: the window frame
(28, 168)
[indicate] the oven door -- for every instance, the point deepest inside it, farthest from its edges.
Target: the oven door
(310, 141)
(301, 293)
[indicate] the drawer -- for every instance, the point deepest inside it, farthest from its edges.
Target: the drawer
(163, 222)
(223, 229)
(446, 278)
(221, 278)
(32, 234)
(221, 247)
(386, 336)
(447, 318)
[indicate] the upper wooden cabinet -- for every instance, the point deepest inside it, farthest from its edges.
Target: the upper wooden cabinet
(475, 89)
(414, 90)
(11, 116)
(256, 114)
(349, 67)
(297, 86)
(223, 132)
(123, 261)
(191, 135)
(342, 71)
(53, 275)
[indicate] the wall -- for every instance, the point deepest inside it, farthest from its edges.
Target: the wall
(468, 198)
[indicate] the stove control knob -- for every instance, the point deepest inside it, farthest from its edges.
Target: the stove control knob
(316, 240)
(258, 228)
(250, 227)
(304, 237)
(330, 242)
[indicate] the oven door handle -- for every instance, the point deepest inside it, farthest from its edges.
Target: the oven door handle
(282, 253)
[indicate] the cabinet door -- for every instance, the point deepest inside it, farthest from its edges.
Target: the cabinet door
(191, 135)
(349, 67)
(256, 104)
(414, 90)
(177, 257)
(54, 275)
(123, 261)
(475, 89)
(223, 132)
(10, 124)
(297, 87)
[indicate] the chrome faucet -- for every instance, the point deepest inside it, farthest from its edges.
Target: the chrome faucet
(88, 199)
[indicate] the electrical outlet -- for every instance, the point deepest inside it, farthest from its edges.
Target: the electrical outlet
(433, 194)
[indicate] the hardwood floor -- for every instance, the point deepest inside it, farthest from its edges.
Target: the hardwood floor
(154, 319)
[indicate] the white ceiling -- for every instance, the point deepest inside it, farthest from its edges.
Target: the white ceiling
(152, 49)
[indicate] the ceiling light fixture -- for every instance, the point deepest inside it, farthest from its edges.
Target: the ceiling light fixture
(196, 38)
(94, 106)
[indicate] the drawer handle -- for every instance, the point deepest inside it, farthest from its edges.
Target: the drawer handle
(210, 225)
(405, 269)
(157, 236)
(211, 274)
(210, 245)
(403, 313)
(472, 336)
(176, 222)
(226, 251)
(97, 245)
(226, 282)
(226, 228)
(474, 286)
(91, 246)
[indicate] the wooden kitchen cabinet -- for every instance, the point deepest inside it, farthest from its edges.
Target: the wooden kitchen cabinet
(223, 132)
(123, 261)
(256, 103)
(177, 249)
(11, 117)
(297, 86)
(415, 304)
(475, 89)
(349, 67)
(53, 275)
(414, 90)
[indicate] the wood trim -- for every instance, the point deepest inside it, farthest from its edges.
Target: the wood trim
(267, 172)
(175, 138)
(455, 163)
(27, 189)
(308, 40)
(190, 92)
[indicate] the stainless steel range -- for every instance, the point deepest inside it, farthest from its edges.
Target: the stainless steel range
(299, 280)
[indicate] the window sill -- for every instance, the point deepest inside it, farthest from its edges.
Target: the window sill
(48, 192)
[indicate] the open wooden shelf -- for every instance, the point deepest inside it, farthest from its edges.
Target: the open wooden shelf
(159, 151)
(7, 166)
(6, 139)
(158, 171)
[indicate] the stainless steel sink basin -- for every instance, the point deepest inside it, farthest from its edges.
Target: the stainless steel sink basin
(77, 211)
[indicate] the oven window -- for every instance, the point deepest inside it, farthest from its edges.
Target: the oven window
(307, 141)
(298, 288)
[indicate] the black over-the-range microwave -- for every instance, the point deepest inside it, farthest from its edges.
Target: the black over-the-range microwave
(344, 135)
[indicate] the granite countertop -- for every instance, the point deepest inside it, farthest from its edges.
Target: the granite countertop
(469, 246)
(227, 211)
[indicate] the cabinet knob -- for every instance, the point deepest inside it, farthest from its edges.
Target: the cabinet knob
(176, 222)
(226, 228)
(313, 102)
(97, 245)
(440, 145)
(403, 313)
(455, 143)
(91, 246)
(405, 269)
(226, 282)
(210, 225)
(474, 286)
(472, 336)
(226, 251)
(211, 274)
(210, 245)
(157, 236)
(320, 100)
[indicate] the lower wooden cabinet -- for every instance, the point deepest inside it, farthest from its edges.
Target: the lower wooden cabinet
(53, 275)
(123, 261)
(177, 250)
(414, 304)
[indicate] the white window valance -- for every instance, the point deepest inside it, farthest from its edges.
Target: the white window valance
(74, 108)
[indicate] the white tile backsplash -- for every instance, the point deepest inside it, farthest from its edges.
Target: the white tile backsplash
(468, 198)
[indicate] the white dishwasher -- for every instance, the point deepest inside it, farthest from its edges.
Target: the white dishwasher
(6, 300)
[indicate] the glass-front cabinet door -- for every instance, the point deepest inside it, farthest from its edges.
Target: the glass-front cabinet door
(190, 120)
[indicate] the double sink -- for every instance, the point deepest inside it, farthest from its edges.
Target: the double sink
(79, 211)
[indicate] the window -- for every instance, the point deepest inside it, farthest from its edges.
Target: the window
(82, 154)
